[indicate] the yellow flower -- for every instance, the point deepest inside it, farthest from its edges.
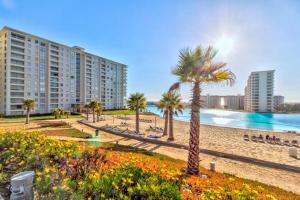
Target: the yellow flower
(80, 183)
(54, 188)
(47, 170)
(130, 190)
(22, 162)
(270, 197)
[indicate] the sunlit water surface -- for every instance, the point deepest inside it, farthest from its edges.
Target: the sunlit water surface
(262, 121)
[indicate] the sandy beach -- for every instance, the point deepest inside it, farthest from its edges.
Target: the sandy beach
(223, 139)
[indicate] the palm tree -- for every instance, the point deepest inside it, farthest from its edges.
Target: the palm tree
(136, 102)
(28, 104)
(163, 105)
(99, 110)
(175, 106)
(197, 67)
(61, 112)
(68, 113)
(87, 109)
(56, 113)
(94, 105)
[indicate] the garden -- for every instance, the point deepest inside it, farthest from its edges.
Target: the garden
(77, 170)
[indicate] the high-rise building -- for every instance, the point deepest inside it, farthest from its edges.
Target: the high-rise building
(55, 75)
(259, 91)
(233, 102)
(278, 100)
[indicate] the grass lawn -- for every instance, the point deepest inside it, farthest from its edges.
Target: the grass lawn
(118, 112)
(69, 132)
(46, 117)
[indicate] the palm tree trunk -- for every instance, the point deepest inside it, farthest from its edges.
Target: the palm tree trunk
(27, 116)
(171, 131)
(87, 114)
(94, 116)
(97, 117)
(166, 123)
(193, 158)
(137, 121)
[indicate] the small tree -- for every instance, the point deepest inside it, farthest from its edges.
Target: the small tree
(56, 113)
(68, 113)
(137, 101)
(99, 111)
(28, 104)
(163, 105)
(61, 112)
(94, 105)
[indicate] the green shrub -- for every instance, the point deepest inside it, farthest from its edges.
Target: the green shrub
(129, 182)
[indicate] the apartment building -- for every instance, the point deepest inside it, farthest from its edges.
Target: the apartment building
(233, 102)
(55, 75)
(259, 92)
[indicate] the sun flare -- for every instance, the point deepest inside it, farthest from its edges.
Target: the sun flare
(225, 45)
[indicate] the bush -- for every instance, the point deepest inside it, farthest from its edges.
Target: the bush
(129, 182)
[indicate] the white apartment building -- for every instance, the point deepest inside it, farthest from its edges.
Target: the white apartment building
(55, 75)
(259, 92)
(233, 102)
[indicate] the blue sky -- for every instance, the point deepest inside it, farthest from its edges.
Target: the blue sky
(147, 35)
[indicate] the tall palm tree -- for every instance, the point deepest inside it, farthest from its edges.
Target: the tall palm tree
(175, 106)
(28, 104)
(87, 110)
(99, 110)
(94, 105)
(137, 101)
(196, 66)
(163, 105)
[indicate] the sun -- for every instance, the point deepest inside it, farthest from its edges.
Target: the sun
(224, 45)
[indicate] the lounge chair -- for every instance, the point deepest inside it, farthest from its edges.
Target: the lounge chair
(154, 136)
(278, 141)
(260, 139)
(287, 143)
(253, 138)
(246, 138)
(295, 143)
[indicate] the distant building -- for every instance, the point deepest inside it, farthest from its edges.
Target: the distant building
(55, 75)
(278, 100)
(233, 102)
(259, 92)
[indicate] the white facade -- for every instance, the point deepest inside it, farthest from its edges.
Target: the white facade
(259, 92)
(233, 102)
(55, 75)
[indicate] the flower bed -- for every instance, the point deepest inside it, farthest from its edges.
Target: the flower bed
(67, 170)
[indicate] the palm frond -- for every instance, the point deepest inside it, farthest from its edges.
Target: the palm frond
(174, 87)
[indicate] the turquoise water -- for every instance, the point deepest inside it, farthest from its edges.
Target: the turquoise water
(262, 121)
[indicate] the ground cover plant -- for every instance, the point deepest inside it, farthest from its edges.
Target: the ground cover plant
(68, 132)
